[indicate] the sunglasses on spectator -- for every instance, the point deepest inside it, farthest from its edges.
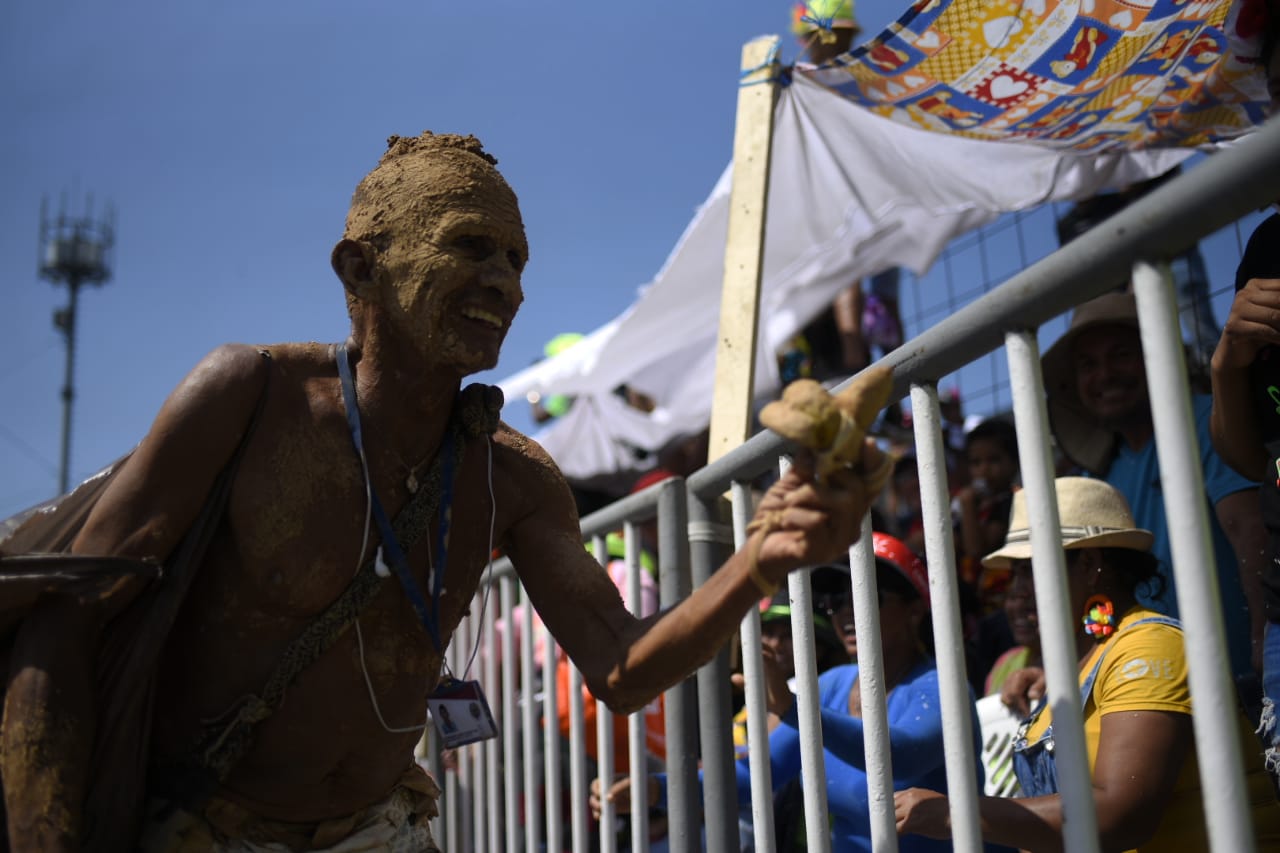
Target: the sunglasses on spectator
(832, 602)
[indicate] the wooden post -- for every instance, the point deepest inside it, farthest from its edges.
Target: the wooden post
(744, 249)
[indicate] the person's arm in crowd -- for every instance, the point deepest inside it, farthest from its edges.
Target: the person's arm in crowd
(915, 734)
(1240, 515)
(1254, 322)
(847, 310)
(1140, 755)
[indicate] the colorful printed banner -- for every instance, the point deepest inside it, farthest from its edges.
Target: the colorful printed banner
(1079, 74)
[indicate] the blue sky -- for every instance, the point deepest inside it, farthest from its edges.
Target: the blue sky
(230, 135)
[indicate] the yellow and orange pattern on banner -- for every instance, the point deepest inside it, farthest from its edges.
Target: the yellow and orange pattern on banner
(1078, 74)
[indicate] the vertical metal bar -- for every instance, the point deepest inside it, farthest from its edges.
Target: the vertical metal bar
(604, 745)
(957, 706)
(578, 783)
(551, 741)
(636, 721)
(871, 686)
(607, 770)
(476, 792)
(529, 728)
(492, 747)
(461, 649)
(510, 720)
(430, 744)
(813, 765)
(450, 810)
(675, 584)
(1199, 602)
(757, 706)
(452, 784)
(708, 542)
(1048, 565)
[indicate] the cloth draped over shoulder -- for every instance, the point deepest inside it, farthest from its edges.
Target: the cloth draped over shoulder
(35, 560)
(34, 556)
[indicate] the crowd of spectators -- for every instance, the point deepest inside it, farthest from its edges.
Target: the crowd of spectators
(1102, 428)
(1123, 591)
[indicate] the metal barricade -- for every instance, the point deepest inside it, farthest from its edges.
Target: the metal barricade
(504, 808)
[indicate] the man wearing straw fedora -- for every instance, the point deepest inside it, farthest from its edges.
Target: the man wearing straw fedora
(1099, 410)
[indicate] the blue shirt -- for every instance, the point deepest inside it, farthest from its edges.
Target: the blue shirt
(1136, 475)
(915, 747)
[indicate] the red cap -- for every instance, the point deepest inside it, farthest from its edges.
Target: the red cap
(896, 553)
(657, 475)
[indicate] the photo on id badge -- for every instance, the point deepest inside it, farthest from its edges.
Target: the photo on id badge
(461, 714)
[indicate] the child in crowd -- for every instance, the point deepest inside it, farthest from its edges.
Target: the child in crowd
(980, 513)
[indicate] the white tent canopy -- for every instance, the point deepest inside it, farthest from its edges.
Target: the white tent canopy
(850, 194)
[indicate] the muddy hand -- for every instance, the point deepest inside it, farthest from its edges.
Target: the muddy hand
(804, 522)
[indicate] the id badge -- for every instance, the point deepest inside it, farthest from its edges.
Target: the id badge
(460, 713)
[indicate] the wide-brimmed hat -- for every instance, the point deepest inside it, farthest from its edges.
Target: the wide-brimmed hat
(1086, 442)
(1091, 513)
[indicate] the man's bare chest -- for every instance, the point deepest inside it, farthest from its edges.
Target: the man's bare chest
(300, 526)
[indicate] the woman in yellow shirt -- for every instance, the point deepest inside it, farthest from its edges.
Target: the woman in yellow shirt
(1136, 701)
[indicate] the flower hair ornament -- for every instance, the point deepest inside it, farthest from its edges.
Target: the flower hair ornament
(1099, 617)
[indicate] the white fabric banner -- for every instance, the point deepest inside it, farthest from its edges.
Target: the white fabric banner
(850, 194)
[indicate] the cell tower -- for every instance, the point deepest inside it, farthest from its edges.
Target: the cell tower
(74, 250)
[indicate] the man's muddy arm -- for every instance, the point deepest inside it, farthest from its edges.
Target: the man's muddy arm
(626, 661)
(48, 724)
(160, 491)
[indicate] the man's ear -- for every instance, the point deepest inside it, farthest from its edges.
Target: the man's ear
(355, 261)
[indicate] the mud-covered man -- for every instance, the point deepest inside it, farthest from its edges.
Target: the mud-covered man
(431, 260)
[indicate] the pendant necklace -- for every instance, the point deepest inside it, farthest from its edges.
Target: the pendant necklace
(411, 479)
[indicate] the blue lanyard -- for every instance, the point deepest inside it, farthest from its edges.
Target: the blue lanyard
(430, 617)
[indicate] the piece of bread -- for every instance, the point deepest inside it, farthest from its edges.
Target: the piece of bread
(832, 426)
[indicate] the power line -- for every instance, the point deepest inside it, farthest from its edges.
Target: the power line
(27, 450)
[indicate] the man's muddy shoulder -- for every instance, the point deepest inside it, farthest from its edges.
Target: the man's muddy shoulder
(309, 355)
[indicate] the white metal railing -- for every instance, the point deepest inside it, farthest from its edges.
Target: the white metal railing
(1224, 188)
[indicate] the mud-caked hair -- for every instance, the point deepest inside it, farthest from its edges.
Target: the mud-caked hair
(398, 196)
(367, 216)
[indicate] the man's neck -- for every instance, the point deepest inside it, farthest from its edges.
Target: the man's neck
(1136, 435)
(402, 400)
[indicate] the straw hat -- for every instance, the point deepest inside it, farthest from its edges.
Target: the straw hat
(1085, 442)
(1092, 515)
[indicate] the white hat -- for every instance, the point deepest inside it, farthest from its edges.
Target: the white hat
(1092, 515)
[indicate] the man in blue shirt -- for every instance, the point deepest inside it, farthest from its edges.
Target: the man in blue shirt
(1100, 413)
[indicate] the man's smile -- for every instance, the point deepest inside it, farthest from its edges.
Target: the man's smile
(487, 318)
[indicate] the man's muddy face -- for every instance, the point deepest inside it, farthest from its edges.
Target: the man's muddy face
(453, 266)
